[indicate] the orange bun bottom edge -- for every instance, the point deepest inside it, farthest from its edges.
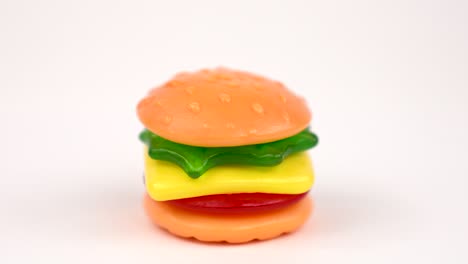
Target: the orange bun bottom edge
(230, 228)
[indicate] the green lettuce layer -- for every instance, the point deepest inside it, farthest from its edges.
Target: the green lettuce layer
(197, 160)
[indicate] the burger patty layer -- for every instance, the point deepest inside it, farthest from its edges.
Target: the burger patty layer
(237, 202)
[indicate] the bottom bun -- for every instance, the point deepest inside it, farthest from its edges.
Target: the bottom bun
(231, 228)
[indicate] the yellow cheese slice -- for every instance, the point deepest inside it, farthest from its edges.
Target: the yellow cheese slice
(166, 181)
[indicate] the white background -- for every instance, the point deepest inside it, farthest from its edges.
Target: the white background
(387, 82)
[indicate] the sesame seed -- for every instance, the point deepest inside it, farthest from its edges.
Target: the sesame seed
(232, 84)
(283, 98)
(167, 119)
(230, 125)
(258, 108)
(224, 98)
(173, 83)
(194, 107)
(189, 89)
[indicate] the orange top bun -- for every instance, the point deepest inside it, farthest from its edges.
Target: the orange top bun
(223, 107)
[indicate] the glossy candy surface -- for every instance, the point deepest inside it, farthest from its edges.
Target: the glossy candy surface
(167, 181)
(232, 228)
(197, 160)
(223, 108)
(238, 202)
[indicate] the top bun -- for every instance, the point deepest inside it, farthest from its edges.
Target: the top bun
(221, 108)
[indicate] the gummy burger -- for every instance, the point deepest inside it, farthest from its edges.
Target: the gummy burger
(225, 156)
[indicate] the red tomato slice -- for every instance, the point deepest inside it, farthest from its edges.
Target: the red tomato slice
(238, 202)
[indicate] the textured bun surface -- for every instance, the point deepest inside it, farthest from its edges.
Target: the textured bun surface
(231, 228)
(223, 107)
